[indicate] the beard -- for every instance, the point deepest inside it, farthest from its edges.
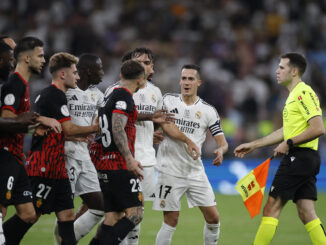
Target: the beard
(33, 70)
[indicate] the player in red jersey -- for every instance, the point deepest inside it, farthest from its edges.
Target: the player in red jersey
(119, 171)
(46, 162)
(14, 184)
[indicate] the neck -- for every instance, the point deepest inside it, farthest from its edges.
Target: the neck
(83, 84)
(59, 85)
(189, 100)
(131, 86)
(293, 83)
(23, 71)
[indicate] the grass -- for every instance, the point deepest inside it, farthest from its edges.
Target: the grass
(237, 228)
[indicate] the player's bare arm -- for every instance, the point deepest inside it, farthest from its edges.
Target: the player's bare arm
(18, 124)
(158, 137)
(271, 139)
(159, 116)
(51, 123)
(316, 129)
(119, 122)
(222, 148)
(71, 129)
(173, 132)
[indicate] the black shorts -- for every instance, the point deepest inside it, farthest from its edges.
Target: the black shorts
(296, 176)
(15, 187)
(51, 195)
(121, 190)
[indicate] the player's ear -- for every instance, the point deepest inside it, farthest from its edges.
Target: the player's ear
(199, 82)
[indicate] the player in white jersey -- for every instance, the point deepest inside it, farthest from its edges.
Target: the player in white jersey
(181, 175)
(83, 103)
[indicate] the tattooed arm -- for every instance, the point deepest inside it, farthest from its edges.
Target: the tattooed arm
(119, 122)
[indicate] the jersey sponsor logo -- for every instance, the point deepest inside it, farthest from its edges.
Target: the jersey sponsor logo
(175, 110)
(187, 126)
(147, 108)
(9, 99)
(37, 98)
(64, 110)
(121, 105)
(74, 97)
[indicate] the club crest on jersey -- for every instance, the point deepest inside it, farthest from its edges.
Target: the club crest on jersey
(121, 105)
(198, 115)
(153, 98)
(9, 99)
(64, 110)
(186, 114)
(92, 97)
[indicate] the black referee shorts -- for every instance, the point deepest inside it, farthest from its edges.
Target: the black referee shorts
(296, 176)
(121, 190)
(15, 187)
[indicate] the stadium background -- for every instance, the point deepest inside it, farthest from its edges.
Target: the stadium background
(237, 43)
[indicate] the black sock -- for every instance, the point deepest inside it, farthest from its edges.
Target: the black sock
(106, 235)
(94, 241)
(66, 232)
(14, 229)
(122, 228)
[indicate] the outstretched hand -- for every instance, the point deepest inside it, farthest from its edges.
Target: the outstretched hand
(243, 150)
(28, 118)
(162, 116)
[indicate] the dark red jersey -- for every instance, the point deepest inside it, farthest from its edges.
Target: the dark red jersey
(15, 97)
(119, 101)
(46, 157)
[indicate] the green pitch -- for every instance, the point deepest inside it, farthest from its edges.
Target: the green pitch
(236, 225)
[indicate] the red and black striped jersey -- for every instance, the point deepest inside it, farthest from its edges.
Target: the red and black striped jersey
(119, 101)
(46, 157)
(15, 97)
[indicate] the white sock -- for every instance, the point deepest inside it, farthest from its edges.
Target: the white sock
(86, 222)
(211, 233)
(133, 236)
(164, 236)
(2, 236)
(57, 239)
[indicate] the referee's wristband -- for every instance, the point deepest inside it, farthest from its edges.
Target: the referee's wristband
(290, 143)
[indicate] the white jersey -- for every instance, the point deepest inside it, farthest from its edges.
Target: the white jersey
(147, 100)
(194, 121)
(82, 107)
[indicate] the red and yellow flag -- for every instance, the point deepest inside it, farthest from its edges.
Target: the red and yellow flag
(252, 187)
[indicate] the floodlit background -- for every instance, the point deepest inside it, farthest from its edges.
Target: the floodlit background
(237, 43)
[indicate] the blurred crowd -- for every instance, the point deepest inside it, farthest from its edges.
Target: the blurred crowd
(237, 43)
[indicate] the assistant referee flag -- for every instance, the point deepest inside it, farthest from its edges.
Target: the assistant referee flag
(252, 186)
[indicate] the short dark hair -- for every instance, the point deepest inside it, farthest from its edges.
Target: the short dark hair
(296, 60)
(131, 69)
(25, 44)
(193, 67)
(61, 60)
(142, 50)
(4, 47)
(126, 56)
(86, 61)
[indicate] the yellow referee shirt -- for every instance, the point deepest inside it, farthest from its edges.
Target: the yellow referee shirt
(301, 105)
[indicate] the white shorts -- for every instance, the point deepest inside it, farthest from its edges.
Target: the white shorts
(83, 176)
(170, 190)
(148, 183)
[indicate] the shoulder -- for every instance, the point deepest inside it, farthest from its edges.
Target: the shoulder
(109, 90)
(16, 80)
(207, 106)
(152, 86)
(171, 96)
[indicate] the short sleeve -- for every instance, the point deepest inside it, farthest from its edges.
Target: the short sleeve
(12, 93)
(53, 105)
(123, 102)
(160, 100)
(308, 104)
(214, 122)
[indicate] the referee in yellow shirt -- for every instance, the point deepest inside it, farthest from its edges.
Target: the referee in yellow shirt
(298, 143)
